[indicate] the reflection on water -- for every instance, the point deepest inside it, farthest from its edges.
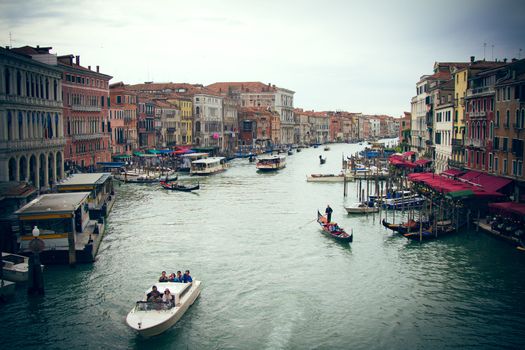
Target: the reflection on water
(271, 279)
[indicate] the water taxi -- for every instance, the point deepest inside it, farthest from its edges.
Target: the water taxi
(271, 163)
(187, 159)
(208, 166)
(15, 267)
(361, 208)
(150, 318)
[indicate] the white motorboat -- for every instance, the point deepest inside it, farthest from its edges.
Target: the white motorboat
(15, 267)
(208, 166)
(361, 208)
(150, 318)
(271, 162)
(328, 177)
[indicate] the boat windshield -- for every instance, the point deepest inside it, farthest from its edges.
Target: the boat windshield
(153, 305)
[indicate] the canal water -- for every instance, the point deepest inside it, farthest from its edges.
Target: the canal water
(271, 280)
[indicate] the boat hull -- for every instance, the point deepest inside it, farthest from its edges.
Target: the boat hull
(325, 178)
(133, 319)
(362, 210)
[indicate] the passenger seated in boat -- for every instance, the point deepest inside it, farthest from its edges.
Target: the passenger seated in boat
(178, 278)
(154, 295)
(168, 297)
(163, 277)
(172, 277)
(187, 278)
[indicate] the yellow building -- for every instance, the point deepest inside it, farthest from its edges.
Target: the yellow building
(458, 133)
(186, 119)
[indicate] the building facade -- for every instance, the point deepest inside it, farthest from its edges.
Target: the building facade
(86, 114)
(123, 119)
(31, 122)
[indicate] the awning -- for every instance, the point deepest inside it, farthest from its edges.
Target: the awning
(470, 175)
(508, 207)
(121, 156)
(491, 183)
(422, 161)
(452, 172)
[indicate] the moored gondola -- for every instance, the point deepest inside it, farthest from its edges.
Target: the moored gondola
(404, 227)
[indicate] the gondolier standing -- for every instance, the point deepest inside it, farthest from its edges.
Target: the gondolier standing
(328, 213)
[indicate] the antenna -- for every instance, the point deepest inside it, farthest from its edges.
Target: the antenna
(10, 40)
(492, 59)
(484, 48)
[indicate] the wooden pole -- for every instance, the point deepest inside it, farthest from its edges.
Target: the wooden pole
(71, 242)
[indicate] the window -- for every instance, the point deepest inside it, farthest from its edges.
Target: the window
(491, 160)
(507, 119)
(496, 143)
(519, 167)
(505, 144)
(496, 164)
(119, 99)
(514, 167)
(504, 168)
(497, 119)
(491, 130)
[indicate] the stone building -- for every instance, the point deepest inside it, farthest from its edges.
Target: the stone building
(31, 123)
(123, 119)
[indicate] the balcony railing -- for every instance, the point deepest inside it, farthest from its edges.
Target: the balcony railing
(86, 137)
(83, 108)
(478, 114)
(475, 143)
(23, 145)
(33, 101)
(486, 90)
(456, 164)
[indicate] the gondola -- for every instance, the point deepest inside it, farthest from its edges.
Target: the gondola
(333, 230)
(176, 187)
(404, 227)
(322, 160)
(429, 233)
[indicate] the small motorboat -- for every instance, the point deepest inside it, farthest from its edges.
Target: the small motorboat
(327, 177)
(290, 152)
(326, 148)
(361, 208)
(175, 186)
(431, 233)
(333, 230)
(15, 267)
(150, 318)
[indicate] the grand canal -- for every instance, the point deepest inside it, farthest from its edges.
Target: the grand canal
(271, 280)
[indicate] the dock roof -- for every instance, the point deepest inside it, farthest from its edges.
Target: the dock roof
(85, 179)
(54, 203)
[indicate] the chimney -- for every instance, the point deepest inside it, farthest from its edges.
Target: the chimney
(70, 60)
(472, 58)
(98, 67)
(77, 61)
(89, 67)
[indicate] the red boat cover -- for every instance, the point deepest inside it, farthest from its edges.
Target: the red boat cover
(508, 207)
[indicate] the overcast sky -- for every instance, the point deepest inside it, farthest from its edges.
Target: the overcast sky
(359, 56)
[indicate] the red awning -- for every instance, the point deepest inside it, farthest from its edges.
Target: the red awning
(422, 161)
(491, 183)
(452, 172)
(408, 154)
(470, 175)
(509, 207)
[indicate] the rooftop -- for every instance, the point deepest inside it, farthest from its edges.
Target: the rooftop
(54, 203)
(85, 179)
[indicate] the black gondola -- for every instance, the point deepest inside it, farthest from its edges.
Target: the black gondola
(322, 160)
(405, 227)
(176, 187)
(333, 230)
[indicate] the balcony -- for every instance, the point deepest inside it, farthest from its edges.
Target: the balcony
(82, 108)
(478, 114)
(86, 137)
(456, 164)
(481, 91)
(32, 144)
(475, 143)
(34, 101)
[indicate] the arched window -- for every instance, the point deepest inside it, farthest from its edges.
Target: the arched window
(56, 125)
(18, 83)
(9, 126)
(55, 90)
(49, 126)
(20, 126)
(7, 78)
(491, 131)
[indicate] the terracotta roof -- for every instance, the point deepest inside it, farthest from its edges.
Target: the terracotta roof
(15, 189)
(190, 89)
(29, 50)
(224, 87)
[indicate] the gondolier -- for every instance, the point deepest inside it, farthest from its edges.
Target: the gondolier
(328, 213)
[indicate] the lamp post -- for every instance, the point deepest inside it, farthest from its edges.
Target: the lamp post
(36, 279)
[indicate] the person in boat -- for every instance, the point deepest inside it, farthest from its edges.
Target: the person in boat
(172, 277)
(328, 213)
(168, 297)
(187, 278)
(154, 295)
(179, 277)
(163, 277)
